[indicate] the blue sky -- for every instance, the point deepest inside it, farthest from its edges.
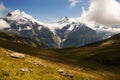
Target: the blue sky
(47, 10)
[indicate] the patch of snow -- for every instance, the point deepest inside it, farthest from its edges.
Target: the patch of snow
(54, 26)
(71, 28)
(19, 29)
(28, 28)
(63, 40)
(40, 27)
(21, 17)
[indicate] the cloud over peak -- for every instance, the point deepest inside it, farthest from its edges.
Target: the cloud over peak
(104, 11)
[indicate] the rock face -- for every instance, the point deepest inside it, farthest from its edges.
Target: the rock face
(17, 55)
(80, 36)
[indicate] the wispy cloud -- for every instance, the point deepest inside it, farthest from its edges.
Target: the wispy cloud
(73, 3)
(2, 9)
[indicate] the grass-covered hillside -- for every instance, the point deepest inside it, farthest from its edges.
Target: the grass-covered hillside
(98, 61)
(16, 39)
(40, 69)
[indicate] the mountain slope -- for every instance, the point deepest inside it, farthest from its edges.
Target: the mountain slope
(40, 69)
(107, 42)
(90, 62)
(80, 36)
(104, 50)
(16, 39)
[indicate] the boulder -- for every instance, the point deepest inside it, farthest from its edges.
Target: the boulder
(67, 74)
(26, 70)
(63, 73)
(38, 63)
(17, 55)
(60, 71)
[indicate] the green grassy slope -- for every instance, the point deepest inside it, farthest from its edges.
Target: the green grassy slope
(98, 61)
(114, 39)
(10, 69)
(14, 38)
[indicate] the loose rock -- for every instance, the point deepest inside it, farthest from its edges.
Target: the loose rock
(63, 73)
(26, 70)
(17, 55)
(60, 71)
(38, 63)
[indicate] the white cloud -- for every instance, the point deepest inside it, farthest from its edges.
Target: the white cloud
(4, 24)
(2, 9)
(105, 12)
(73, 3)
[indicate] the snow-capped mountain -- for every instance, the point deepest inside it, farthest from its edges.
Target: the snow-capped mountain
(25, 25)
(67, 32)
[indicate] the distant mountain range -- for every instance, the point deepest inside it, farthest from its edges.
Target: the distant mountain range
(67, 32)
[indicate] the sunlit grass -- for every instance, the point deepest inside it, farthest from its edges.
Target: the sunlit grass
(10, 69)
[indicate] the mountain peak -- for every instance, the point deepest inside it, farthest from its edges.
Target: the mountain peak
(21, 17)
(64, 19)
(17, 11)
(18, 15)
(13, 13)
